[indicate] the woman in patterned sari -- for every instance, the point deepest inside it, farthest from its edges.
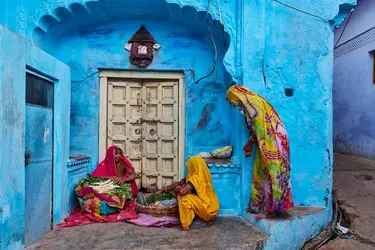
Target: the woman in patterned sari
(270, 188)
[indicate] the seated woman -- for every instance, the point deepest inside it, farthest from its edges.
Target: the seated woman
(195, 195)
(117, 168)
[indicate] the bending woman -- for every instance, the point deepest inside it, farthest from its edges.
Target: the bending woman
(117, 168)
(270, 188)
(195, 195)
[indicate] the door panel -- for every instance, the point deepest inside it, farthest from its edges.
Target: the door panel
(160, 133)
(143, 121)
(124, 119)
(169, 132)
(38, 158)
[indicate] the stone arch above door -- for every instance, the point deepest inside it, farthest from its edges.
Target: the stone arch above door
(55, 21)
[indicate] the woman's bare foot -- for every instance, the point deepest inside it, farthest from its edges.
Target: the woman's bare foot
(199, 220)
(262, 216)
(185, 229)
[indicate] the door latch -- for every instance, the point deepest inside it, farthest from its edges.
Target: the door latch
(149, 120)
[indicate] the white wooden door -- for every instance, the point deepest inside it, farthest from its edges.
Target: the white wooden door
(124, 127)
(160, 133)
(142, 119)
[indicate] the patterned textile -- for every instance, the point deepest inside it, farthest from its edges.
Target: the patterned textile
(80, 218)
(270, 188)
(91, 201)
(128, 214)
(145, 220)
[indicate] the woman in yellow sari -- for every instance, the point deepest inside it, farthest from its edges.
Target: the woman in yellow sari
(270, 189)
(195, 195)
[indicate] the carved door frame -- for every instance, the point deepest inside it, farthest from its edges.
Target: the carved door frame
(144, 75)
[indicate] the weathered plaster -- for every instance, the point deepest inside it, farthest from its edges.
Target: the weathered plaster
(45, 64)
(12, 110)
(102, 46)
(291, 232)
(271, 48)
(17, 54)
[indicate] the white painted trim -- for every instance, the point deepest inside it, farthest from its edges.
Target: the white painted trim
(47, 78)
(142, 74)
(181, 128)
(104, 74)
(103, 116)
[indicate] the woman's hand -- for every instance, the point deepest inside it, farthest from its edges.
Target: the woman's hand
(184, 190)
(248, 148)
(160, 191)
(117, 180)
(177, 190)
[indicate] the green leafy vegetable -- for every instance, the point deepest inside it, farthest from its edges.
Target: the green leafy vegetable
(116, 190)
(123, 190)
(159, 197)
(89, 180)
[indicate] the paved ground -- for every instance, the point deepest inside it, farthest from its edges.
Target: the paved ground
(225, 233)
(354, 186)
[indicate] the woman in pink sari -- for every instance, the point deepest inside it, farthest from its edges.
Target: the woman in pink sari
(117, 168)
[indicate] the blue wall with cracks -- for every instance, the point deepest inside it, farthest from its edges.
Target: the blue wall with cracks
(270, 47)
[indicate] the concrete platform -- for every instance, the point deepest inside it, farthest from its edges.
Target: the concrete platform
(225, 233)
(291, 230)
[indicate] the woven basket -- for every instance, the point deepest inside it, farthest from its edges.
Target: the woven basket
(156, 211)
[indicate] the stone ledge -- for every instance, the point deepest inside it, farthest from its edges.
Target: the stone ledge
(221, 163)
(302, 224)
(78, 163)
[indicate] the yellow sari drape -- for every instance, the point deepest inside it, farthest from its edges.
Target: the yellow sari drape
(205, 204)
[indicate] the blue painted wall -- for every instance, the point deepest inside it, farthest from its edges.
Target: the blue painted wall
(296, 52)
(183, 48)
(77, 169)
(12, 150)
(271, 47)
(16, 55)
(353, 86)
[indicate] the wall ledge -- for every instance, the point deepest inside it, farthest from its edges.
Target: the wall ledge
(78, 163)
(221, 163)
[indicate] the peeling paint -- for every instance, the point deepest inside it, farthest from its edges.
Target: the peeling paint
(18, 54)
(4, 213)
(45, 134)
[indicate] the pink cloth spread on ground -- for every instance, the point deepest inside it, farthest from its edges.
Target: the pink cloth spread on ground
(80, 218)
(146, 220)
(108, 168)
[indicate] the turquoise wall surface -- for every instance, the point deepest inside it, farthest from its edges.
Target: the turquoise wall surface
(266, 46)
(17, 55)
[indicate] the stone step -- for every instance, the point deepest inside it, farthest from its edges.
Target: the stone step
(224, 233)
(291, 230)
